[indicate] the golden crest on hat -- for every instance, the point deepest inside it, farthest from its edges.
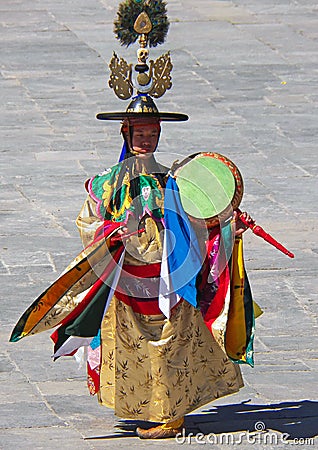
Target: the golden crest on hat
(145, 20)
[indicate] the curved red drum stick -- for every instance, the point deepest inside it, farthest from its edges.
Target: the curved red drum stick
(259, 231)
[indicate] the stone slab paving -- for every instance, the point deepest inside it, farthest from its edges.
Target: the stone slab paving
(247, 74)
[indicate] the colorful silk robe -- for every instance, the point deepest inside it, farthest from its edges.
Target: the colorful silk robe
(147, 358)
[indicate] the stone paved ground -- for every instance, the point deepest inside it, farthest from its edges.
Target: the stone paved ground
(246, 72)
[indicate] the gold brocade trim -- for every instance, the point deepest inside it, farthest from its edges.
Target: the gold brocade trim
(173, 424)
(236, 326)
(109, 193)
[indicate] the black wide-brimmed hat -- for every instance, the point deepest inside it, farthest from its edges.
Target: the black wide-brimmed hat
(142, 107)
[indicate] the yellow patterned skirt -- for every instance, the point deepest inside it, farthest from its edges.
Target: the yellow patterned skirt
(158, 369)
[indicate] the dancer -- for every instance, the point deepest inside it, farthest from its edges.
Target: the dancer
(159, 301)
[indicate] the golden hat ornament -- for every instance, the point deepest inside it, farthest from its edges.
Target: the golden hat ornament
(147, 22)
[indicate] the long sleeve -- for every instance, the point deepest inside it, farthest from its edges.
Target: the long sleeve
(87, 221)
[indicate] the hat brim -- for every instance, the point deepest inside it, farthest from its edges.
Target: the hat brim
(164, 116)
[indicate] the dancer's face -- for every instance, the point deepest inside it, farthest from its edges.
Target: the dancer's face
(145, 139)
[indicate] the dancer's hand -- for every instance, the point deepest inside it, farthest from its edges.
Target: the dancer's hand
(241, 227)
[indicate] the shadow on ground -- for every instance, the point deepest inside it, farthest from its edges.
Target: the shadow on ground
(299, 419)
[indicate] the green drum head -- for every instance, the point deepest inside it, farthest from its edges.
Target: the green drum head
(206, 186)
